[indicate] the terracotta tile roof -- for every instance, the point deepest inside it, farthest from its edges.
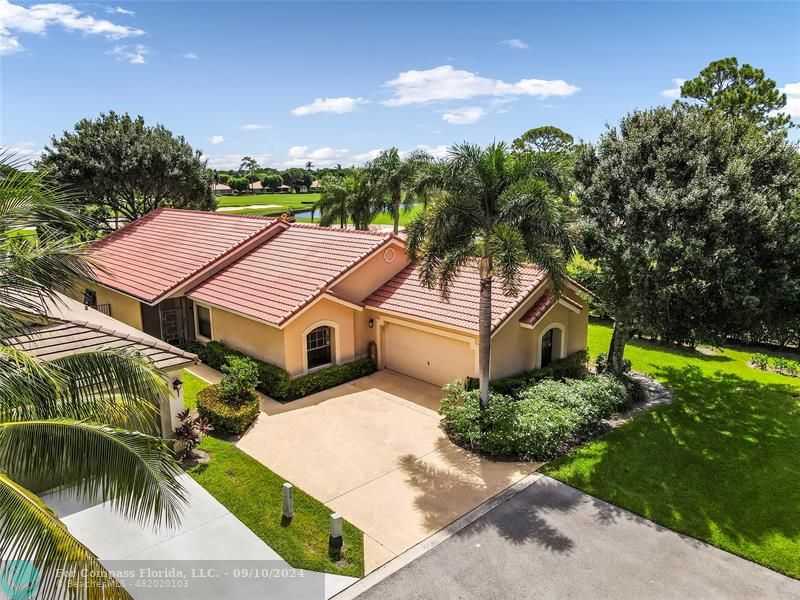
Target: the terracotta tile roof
(542, 305)
(73, 328)
(152, 256)
(405, 294)
(277, 279)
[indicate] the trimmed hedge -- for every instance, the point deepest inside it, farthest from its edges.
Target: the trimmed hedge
(330, 377)
(569, 367)
(276, 382)
(542, 422)
(225, 417)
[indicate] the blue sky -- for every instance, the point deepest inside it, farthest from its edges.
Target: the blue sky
(333, 82)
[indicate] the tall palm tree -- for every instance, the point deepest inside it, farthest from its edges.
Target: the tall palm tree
(69, 421)
(348, 198)
(496, 211)
(393, 176)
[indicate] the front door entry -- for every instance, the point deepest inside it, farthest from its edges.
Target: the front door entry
(547, 348)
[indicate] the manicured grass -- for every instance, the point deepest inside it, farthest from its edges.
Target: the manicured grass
(253, 494)
(721, 463)
(382, 218)
(296, 200)
(192, 384)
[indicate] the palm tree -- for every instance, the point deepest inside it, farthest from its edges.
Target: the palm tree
(67, 422)
(494, 210)
(348, 198)
(392, 177)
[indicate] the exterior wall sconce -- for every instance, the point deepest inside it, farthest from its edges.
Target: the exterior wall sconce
(371, 323)
(176, 385)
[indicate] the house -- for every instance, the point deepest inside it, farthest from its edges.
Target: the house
(256, 187)
(304, 297)
(284, 189)
(315, 186)
(221, 189)
(71, 326)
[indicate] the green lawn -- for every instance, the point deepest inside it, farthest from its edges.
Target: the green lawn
(253, 494)
(721, 463)
(191, 385)
(382, 218)
(296, 200)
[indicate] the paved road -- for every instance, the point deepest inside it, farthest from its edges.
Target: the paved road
(552, 541)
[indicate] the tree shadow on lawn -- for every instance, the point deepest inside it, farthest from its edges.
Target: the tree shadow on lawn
(722, 464)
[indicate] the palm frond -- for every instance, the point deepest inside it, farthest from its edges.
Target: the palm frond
(506, 246)
(30, 531)
(135, 472)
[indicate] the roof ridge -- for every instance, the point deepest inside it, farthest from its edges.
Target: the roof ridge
(214, 213)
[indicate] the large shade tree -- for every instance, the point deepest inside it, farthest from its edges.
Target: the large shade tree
(493, 212)
(741, 92)
(693, 219)
(123, 167)
(67, 422)
(393, 178)
(348, 198)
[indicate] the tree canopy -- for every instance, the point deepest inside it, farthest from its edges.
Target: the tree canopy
(694, 221)
(126, 167)
(544, 139)
(738, 91)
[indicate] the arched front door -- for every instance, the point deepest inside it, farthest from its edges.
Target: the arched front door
(546, 351)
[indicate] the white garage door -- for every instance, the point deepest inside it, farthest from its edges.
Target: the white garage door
(427, 356)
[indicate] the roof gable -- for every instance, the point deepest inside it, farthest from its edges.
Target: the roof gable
(282, 276)
(404, 294)
(153, 256)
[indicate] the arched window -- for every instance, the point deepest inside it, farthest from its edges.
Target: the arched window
(318, 347)
(550, 346)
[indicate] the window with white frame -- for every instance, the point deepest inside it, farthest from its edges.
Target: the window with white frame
(318, 347)
(203, 322)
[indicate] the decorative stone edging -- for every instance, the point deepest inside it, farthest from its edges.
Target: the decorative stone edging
(657, 394)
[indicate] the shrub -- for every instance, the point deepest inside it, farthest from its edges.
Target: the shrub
(760, 361)
(540, 423)
(792, 368)
(330, 377)
(225, 417)
(190, 432)
(272, 380)
(569, 367)
(239, 382)
(779, 363)
(601, 364)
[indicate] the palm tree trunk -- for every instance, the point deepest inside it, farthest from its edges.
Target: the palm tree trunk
(616, 350)
(396, 210)
(485, 329)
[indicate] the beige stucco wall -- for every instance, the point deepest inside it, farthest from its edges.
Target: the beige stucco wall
(254, 338)
(371, 274)
(324, 312)
(123, 308)
(515, 349)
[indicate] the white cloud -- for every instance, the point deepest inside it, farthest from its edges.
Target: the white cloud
(792, 91)
(232, 161)
(329, 105)
(465, 115)
(190, 56)
(22, 154)
(367, 156)
(321, 157)
(135, 55)
(15, 19)
(446, 83)
(254, 126)
(216, 139)
(675, 92)
(515, 43)
(118, 10)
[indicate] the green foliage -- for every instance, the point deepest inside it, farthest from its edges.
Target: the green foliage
(569, 367)
(392, 179)
(330, 377)
(680, 204)
(345, 199)
(272, 380)
(253, 494)
(760, 361)
(239, 382)
(541, 422)
(272, 181)
(544, 139)
(742, 92)
(601, 364)
(781, 364)
(225, 416)
(120, 164)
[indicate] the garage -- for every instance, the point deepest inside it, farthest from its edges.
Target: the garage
(428, 356)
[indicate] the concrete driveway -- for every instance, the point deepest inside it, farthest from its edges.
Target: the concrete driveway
(373, 451)
(553, 541)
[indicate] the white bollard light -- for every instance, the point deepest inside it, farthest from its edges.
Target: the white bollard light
(335, 540)
(288, 500)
